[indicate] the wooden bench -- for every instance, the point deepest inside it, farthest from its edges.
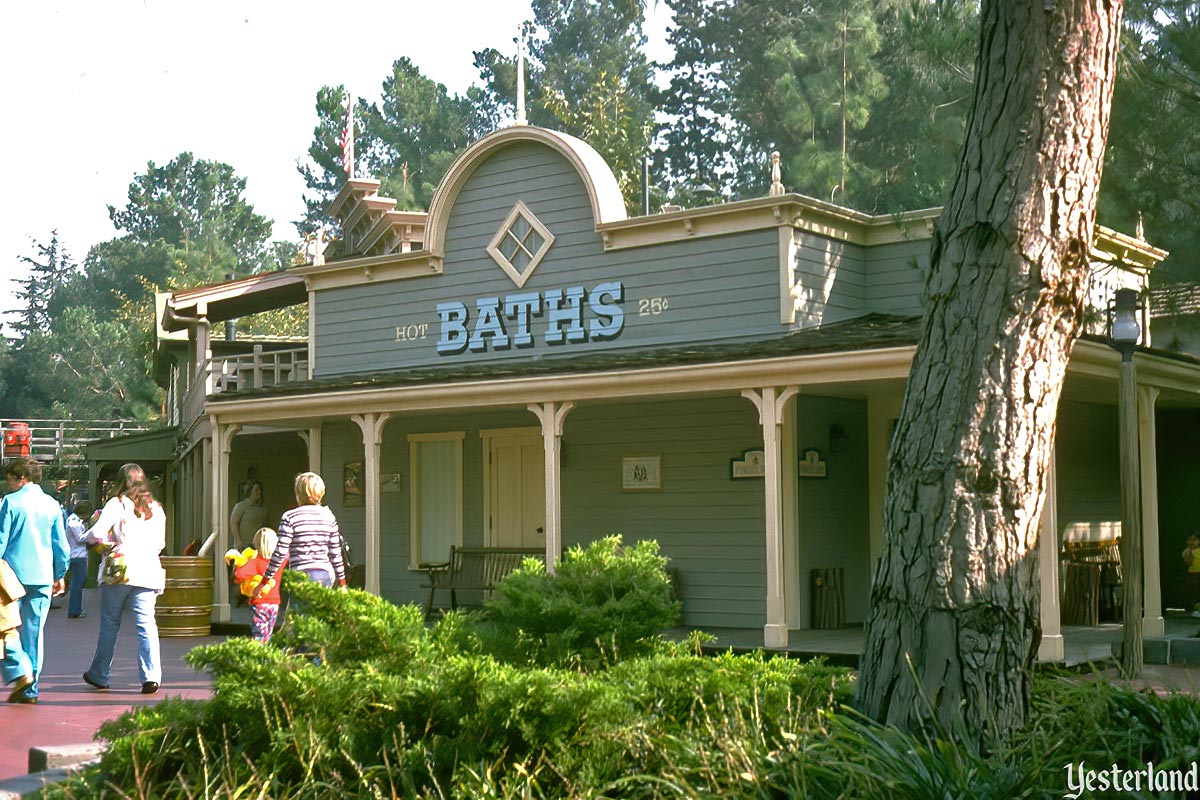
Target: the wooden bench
(474, 568)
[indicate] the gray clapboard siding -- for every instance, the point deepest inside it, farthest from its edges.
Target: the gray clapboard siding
(717, 288)
(833, 527)
(897, 276)
(709, 526)
(1088, 466)
(343, 442)
(829, 281)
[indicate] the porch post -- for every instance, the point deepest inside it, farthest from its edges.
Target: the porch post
(1152, 616)
(882, 409)
(771, 402)
(206, 486)
(551, 416)
(315, 443)
(203, 352)
(312, 443)
(1051, 647)
(790, 512)
(222, 442)
(372, 431)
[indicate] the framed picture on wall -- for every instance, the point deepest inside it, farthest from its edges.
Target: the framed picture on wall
(641, 473)
(352, 484)
(391, 482)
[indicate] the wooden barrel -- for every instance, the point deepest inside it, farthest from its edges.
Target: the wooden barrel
(828, 599)
(185, 607)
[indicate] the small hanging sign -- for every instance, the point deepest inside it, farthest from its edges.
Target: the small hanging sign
(811, 465)
(752, 464)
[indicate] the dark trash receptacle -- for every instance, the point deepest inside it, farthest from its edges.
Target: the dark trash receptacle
(828, 598)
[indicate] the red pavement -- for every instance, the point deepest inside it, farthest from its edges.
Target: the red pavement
(68, 711)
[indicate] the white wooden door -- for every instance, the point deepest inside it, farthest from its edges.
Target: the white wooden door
(514, 487)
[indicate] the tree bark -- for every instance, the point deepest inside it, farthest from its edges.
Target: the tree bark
(953, 630)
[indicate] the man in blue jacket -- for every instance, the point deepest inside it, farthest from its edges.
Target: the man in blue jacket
(34, 543)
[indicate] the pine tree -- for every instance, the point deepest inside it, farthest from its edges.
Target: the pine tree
(1151, 169)
(803, 82)
(322, 173)
(693, 146)
(39, 293)
(913, 138)
(586, 76)
(953, 626)
(414, 135)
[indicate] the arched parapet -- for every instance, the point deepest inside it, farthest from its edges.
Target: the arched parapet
(607, 203)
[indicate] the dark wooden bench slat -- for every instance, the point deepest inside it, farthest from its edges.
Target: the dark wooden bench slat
(475, 568)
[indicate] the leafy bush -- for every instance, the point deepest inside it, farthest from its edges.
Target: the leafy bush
(604, 603)
(361, 700)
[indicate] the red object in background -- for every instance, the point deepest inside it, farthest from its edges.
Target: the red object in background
(16, 439)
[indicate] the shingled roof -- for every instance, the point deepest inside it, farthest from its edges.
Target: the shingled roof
(874, 331)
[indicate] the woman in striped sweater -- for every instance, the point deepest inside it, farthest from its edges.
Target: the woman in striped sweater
(309, 539)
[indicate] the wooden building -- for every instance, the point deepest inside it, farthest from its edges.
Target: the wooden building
(526, 365)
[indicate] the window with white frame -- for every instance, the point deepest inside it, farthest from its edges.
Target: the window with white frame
(436, 467)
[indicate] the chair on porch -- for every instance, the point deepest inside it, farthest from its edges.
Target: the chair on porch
(1092, 582)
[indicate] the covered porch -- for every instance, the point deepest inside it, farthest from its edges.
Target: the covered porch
(1180, 642)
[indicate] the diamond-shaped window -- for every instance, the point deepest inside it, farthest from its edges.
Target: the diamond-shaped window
(520, 244)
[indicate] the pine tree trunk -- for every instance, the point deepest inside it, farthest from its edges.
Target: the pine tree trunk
(954, 627)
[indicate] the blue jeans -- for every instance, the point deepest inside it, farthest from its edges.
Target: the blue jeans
(317, 575)
(26, 657)
(78, 576)
(113, 600)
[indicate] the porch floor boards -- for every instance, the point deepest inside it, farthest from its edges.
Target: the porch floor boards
(843, 646)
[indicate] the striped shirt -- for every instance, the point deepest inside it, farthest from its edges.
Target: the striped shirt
(309, 538)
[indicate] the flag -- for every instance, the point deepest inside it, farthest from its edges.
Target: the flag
(348, 137)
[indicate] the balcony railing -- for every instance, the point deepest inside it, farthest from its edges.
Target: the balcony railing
(259, 368)
(253, 370)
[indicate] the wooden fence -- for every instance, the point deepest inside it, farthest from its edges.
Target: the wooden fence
(61, 441)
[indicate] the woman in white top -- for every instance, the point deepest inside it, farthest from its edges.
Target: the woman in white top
(132, 530)
(76, 528)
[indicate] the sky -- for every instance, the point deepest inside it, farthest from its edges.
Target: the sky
(97, 88)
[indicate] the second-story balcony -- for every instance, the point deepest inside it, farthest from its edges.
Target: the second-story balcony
(260, 366)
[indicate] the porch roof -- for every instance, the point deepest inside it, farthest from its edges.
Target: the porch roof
(872, 331)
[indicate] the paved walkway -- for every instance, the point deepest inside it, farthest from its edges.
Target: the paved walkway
(68, 711)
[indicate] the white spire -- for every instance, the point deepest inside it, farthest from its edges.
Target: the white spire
(521, 120)
(776, 180)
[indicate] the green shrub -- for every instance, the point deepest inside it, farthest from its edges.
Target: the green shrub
(361, 700)
(605, 602)
(387, 707)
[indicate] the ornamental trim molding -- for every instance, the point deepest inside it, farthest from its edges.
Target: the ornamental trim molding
(507, 235)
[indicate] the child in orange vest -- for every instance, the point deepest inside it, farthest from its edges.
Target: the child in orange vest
(264, 608)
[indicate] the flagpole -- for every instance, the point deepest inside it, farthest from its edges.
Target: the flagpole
(521, 78)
